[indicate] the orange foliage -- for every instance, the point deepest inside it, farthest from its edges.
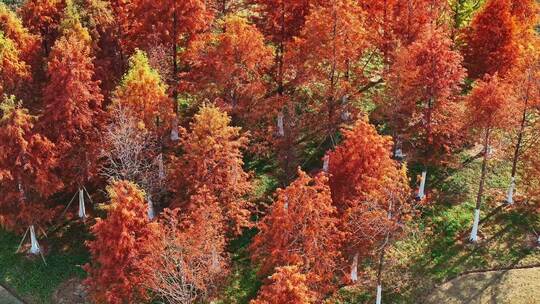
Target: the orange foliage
(228, 68)
(26, 163)
(122, 251)
(366, 186)
(72, 115)
(164, 22)
(43, 17)
(13, 28)
(287, 286)
(326, 56)
(490, 104)
(143, 93)
(491, 44)
(301, 229)
(425, 85)
(213, 159)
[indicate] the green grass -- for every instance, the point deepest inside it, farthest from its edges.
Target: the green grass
(31, 278)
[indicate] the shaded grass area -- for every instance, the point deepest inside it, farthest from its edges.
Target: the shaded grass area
(437, 248)
(30, 277)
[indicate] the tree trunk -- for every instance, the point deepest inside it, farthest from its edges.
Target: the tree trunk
(510, 194)
(354, 268)
(421, 190)
(82, 209)
(34, 245)
(151, 211)
(474, 231)
(174, 129)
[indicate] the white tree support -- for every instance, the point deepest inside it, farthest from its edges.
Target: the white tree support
(326, 162)
(82, 209)
(354, 268)
(174, 129)
(421, 190)
(510, 193)
(34, 245)
(151, 212)
(281, 130)
(379, 294)
(474, 231)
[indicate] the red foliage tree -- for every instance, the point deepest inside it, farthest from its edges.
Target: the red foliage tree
(366, 186)
(213, 159)
(123, 248)
(326, 57)
(286, 286)
(43, 17)
(491, 44)
(301, 229)
(171, 23)
(525, 82)
(26, 163)
(72, 116)
(193, 264)
(229, 68)
(490, 107)
(426, 81)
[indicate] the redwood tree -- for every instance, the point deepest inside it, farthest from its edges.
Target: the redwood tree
(328, 57)
(490, 107)
(43, 17)
(72, 116)
(122, 249)
(367, 185)
(423, 105)
(26, 163)
(286, 286)
(212, 158)
(525, 82)
(229, 68)
(301, 228)
(144, 95)
(491, 44)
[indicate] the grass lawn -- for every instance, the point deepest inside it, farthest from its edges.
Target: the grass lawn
(31, 278)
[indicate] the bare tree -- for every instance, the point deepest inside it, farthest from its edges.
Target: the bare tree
(132, 153)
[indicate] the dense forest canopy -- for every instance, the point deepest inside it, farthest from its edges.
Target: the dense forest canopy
(309, 130)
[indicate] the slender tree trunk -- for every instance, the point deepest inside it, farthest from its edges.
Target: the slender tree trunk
(174, 129)
(510, 194)
(82, 209)
(474, 231)
(354, 268)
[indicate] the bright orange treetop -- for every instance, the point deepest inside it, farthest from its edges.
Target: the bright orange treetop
(301, 229)
(26, 163)
(286, 286)
(144, 94)
(229, 67)
(121, 252)
(491, 44)
(72, 116)
(213, 159)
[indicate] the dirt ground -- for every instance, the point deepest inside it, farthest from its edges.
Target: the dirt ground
(517, 286)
